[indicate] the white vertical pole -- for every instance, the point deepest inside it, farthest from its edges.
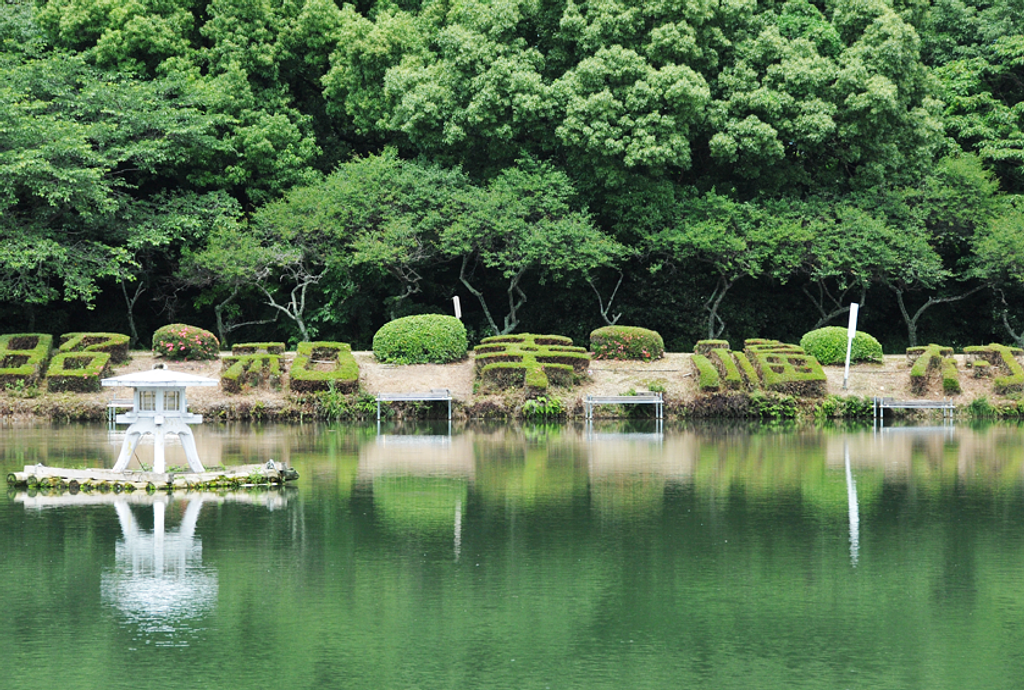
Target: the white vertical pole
(851, 331)
(458, 307)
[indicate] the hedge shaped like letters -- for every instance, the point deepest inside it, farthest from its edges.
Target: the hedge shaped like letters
(533, 361)
(250, 370)
(1001, 359)
(928, 359)
(786, 368)
(79, 372)
(23, 357)
(319, 366)
(257, 348)
(115, 344)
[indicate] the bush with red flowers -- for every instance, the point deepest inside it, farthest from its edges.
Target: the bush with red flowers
(180, 341)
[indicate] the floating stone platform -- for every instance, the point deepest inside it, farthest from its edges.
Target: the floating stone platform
(43, 477)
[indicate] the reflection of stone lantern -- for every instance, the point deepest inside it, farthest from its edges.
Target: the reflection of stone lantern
(159, 408)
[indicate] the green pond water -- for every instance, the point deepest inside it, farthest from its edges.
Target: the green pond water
(622, 556)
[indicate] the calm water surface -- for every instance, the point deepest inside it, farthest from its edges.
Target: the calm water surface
(545, 557)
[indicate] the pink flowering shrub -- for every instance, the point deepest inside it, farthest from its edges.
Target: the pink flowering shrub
(626, 342)
(178, 341)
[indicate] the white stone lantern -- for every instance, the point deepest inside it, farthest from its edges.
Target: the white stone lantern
(159, 408)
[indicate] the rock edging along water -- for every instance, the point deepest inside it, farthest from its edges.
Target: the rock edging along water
(41, 476)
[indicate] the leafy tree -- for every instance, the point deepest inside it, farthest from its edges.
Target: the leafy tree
(735, 240)
(523, 222)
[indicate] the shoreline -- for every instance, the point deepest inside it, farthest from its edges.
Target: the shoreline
(671, 375)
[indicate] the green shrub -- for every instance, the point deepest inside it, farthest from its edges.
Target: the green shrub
(23, 357)
(116, 344)
(626, 342)
(828, 346)
(324, 366)
(250, 370)
(420, 339)
(535, 361)
(79, 372)
(179, 341)
(257, 348)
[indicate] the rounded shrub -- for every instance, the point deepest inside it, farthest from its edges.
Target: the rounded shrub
(421, 338)
(828, 346)
(626, 342)
(180, 341)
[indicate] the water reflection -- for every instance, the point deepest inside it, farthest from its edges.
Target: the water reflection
(158, 583)
(612, 557)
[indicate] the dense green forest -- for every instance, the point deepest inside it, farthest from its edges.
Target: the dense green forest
(300, 169)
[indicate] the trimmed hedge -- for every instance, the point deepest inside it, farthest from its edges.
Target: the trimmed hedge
(180, 341)
(726, 365)
(828, 346)
(543, 360)
(421, 339)
(1002, 359)
(116, 344)
(929, 359)
(80, 372)
(309, 375)
(786, 368)
(250, 370)
(626, 342)
(257, 348)
(23, 357)
(704, 347)
(708, 379)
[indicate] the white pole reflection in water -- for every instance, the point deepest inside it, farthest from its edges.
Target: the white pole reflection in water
(851, 496)
(158, 581)
(458, 529)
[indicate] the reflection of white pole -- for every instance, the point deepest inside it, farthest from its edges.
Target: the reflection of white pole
(458, 528)
(158, 536)
(851, 331)
(851, 495)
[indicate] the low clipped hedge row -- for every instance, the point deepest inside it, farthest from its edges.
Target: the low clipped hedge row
(421, 339)
(78, 372)
(768, 364)
(114, 344)
(245, 370)
(533, 361)
(23, 357)
(324, 366)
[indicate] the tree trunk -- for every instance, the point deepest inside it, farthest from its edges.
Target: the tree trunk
(911, 321)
